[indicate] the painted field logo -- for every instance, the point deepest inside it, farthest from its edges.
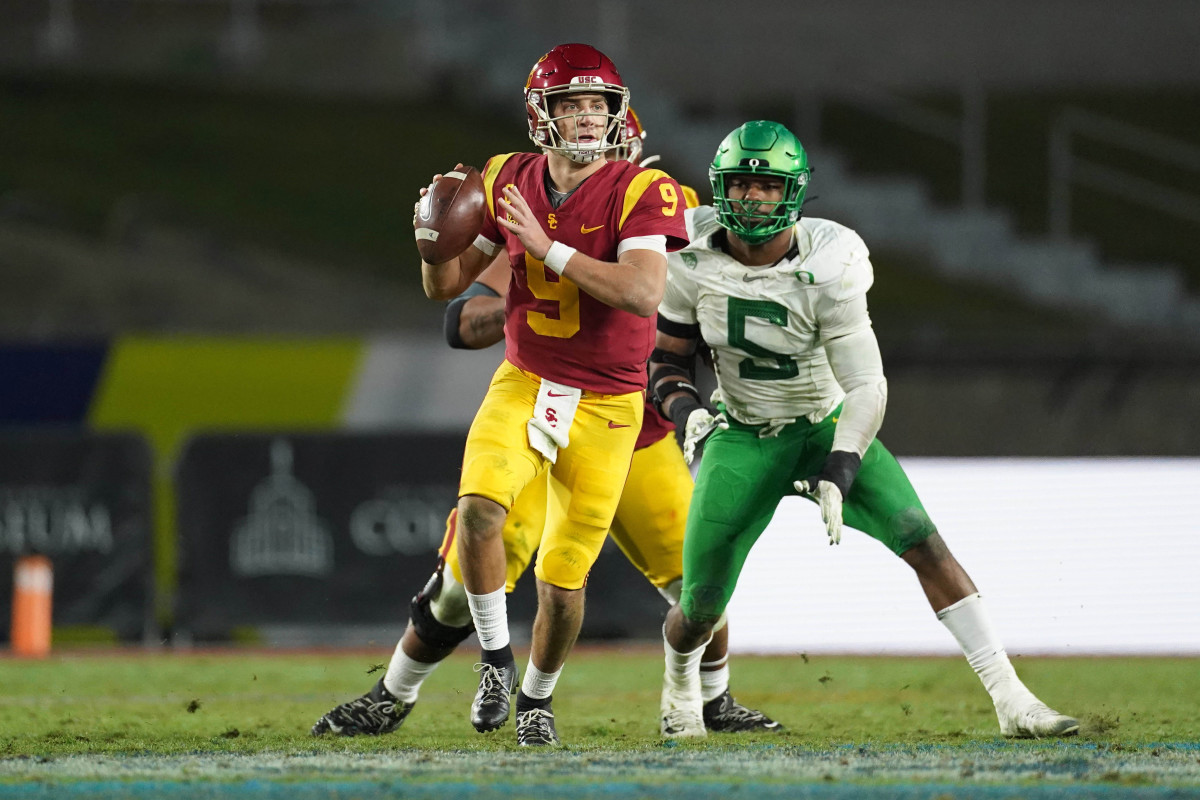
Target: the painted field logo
(282, 534)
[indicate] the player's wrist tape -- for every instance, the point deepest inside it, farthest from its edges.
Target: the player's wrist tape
(557, 256)
(682, 408)
(840, 468)
(669, 386)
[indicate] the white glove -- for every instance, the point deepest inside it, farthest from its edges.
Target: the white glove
(700, 423)
(829, 498)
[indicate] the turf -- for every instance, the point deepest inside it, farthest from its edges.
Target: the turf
(248, 702)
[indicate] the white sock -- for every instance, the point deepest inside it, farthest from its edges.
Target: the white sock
(490, 614)
(971, 625)
(538, 685)
(683, 669)
(714, 678)
(404, 675)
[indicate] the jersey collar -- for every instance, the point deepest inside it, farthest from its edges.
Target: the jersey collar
(719, 240)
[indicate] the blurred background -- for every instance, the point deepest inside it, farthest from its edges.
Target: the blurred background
(227, 410)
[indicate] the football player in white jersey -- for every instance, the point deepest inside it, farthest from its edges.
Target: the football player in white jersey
(781, 300)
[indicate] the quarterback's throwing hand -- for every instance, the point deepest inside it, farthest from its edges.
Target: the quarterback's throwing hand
(519, 219)
(829, 498)
(700, 423)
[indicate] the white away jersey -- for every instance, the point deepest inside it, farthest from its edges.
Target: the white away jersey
(767, 325)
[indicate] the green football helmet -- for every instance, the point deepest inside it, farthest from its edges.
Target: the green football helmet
(760, 148)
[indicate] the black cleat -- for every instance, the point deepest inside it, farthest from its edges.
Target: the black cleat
(535, 728)
(490, 708)
(725, 715)
(378, 711)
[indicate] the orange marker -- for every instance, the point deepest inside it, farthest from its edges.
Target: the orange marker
(33, 587)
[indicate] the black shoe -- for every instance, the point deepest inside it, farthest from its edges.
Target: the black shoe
(725, 715)
(535, 728)
(490, 707)
(378, 711)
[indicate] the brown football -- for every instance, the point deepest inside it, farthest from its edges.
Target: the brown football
(450, 215)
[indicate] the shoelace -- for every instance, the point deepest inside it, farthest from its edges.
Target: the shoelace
(680, 719)
(490, 681)
(535, 725)
(735, 712)
(362, 709)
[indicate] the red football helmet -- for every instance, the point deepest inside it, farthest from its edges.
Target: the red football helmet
(575, 68)
(631, 148)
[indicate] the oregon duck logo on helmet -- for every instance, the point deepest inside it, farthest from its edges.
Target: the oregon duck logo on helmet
(760, 148)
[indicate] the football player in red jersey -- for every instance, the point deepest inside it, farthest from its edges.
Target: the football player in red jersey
(648, 527)
(587, 240)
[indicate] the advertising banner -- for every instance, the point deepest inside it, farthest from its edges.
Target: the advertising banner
(329, 531)
(82, 500)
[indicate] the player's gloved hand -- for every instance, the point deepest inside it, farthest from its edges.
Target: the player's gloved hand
(700, 423)
(829, 498)
(830, 488)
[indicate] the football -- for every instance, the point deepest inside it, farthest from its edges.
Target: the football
(450, 215)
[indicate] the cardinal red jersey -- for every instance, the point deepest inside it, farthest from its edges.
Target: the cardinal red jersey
(552, 328)
(654, 426)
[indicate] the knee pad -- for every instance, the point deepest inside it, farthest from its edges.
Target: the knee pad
(565, 566)
(672, 593)
(440, 613)
(704, 604)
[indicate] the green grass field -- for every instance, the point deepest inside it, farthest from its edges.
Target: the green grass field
(240, 720)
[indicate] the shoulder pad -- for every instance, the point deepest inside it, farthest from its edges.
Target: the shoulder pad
(701, 221)
(832, 253)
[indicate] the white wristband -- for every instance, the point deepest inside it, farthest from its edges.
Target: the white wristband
(557, 256)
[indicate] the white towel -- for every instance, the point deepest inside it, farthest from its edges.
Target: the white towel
(550, 426)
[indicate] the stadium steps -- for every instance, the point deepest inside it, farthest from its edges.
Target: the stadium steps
(977, 245)
(982, 246)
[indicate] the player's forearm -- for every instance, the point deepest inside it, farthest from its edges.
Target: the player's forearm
(858, 367)
(481, 323)
(635, 286)
(672, 377)
(448, 280)
(443, 281)
(861, 418)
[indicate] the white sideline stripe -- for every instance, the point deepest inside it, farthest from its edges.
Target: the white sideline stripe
(304, 769)
(427, 233)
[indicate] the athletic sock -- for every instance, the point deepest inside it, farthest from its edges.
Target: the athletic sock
(972, 627)
(527, 703)
(499, 658)
(538, 685)
(683, 669)
(714, 678)
(490, 614)
(405, 675)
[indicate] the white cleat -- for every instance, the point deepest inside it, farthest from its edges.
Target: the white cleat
(1034, 720)
(682, 716)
